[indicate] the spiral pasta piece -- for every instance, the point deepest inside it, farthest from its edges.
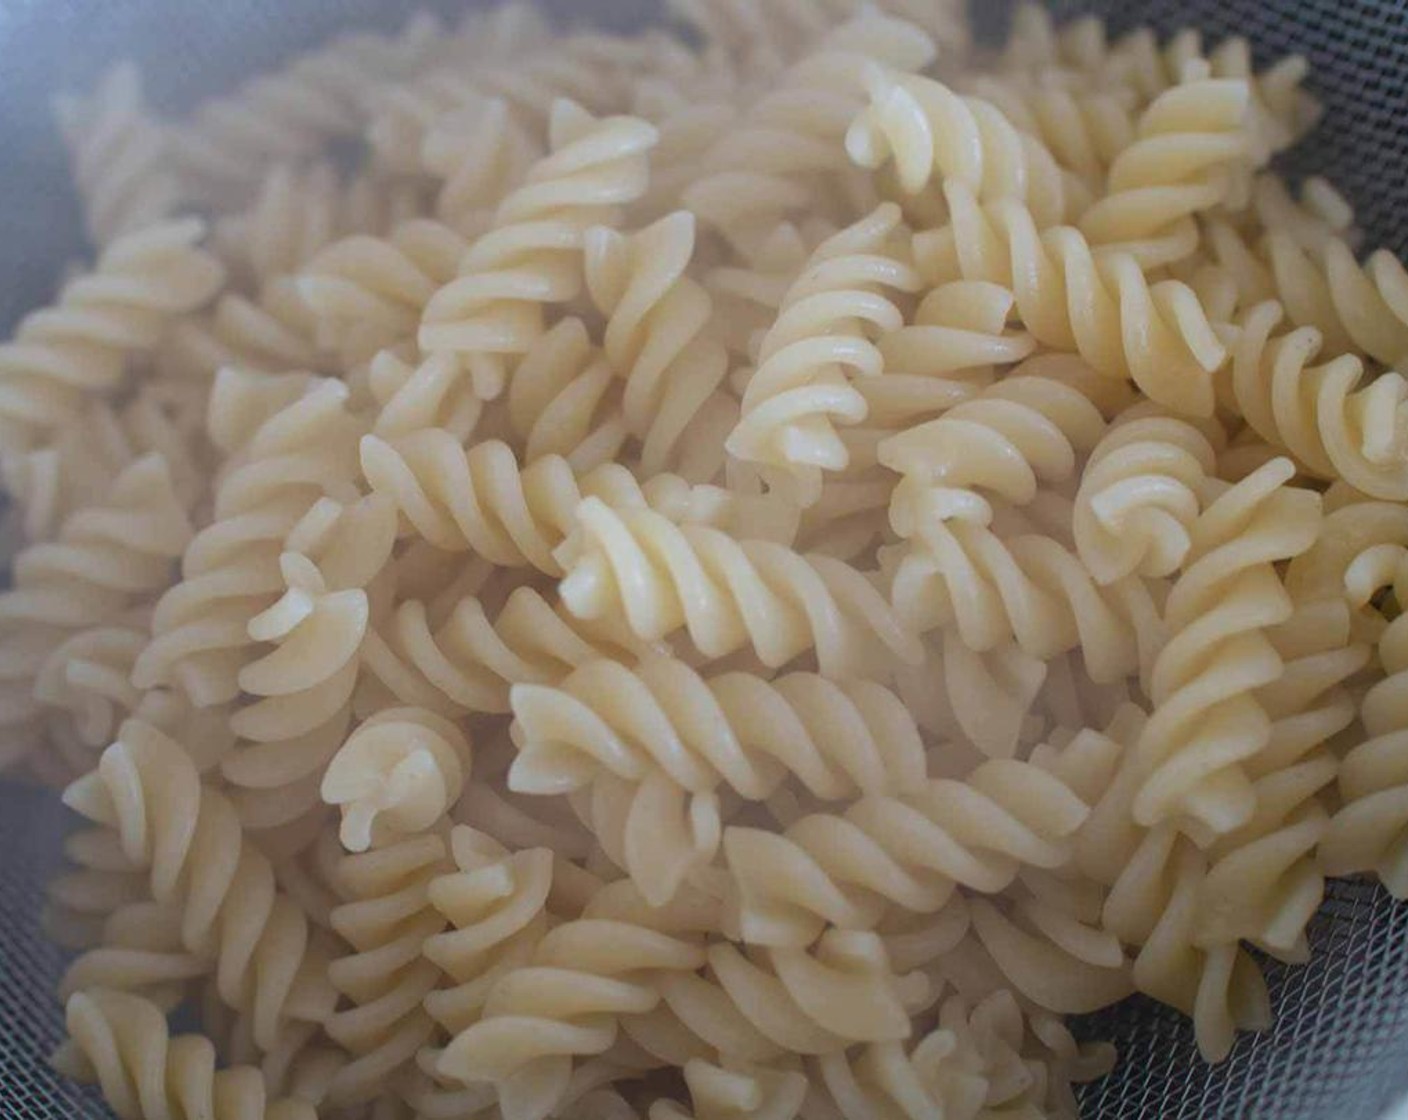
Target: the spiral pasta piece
(493, 312)
(300, 692)
(1366, 833)
(296, 445)
(296, 213)
(733, 729)
(385, 917)
(494, 905)
(479, 153)
(658, 577)
(1072, 299)
(106, 560)
(910, 850)
(608, 968)
(120, 156)
(78, 348)
(1140, 495)
(187, 836)
(655, 341)
(1155, 904)
(1021, 433)
(1206, 723)
(468, 663)
(722, 1093)
(566, 399)
(368, 293)
(931, 132)
(122, 1042)
(1085, 129)
(398, 774)
(1190, 153)
(1333, 420)
(480, 499)
(801, 387)
(1028, 588)
(785, 154)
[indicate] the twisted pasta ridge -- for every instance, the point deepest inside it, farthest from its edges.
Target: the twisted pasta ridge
(655, 340)
(1281, 112)
(480, 499)
(119, 155)
(1189, 155)
(493, 903)
(1155, 904)
(985, 1054)
(738, 1093)
(398, 774)
(930, 132)
(1028, 588)
(1264, 882)
(1075, 300)
(733, 729)
(300, 692)
(801, 387)
(367, 293)
(271, 333)
(187, 836)
(479, 153)
(786, 154)
(296, 445)
(1328, 416)
(658, 577)
(296, 213)
(911, 849)
(1085, 129)
(65, 354)
(122, 1042)
(1140, 497)
(432, 394)
(1206, 722)
(1366, 833)
(385, 917)
(662, 836)
(107, 559)
(1014, 436)
(565, 399)
(468, 663)
(607, 968)
(492, 313)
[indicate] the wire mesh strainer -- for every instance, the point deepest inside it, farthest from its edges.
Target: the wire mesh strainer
(1340, 1045)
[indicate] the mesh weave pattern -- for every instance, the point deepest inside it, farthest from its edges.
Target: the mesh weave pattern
(1340, 1047)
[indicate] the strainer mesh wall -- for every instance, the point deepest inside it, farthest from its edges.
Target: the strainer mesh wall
(1339, 1050)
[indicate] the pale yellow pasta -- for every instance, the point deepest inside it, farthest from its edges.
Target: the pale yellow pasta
(660, 577)
(287, 459)
(785, 153)
(909, 850)
(934, 134)
(1140, 495)
(171, 823)
(1099, 306)
(79, 348)
(121, 1042)
(1205, 723)
(491, 313)
(1327, 415)
(821, 341)
(913, 538)
(1190, 154)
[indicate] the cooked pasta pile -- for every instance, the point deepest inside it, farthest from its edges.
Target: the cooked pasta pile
(742, 574)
